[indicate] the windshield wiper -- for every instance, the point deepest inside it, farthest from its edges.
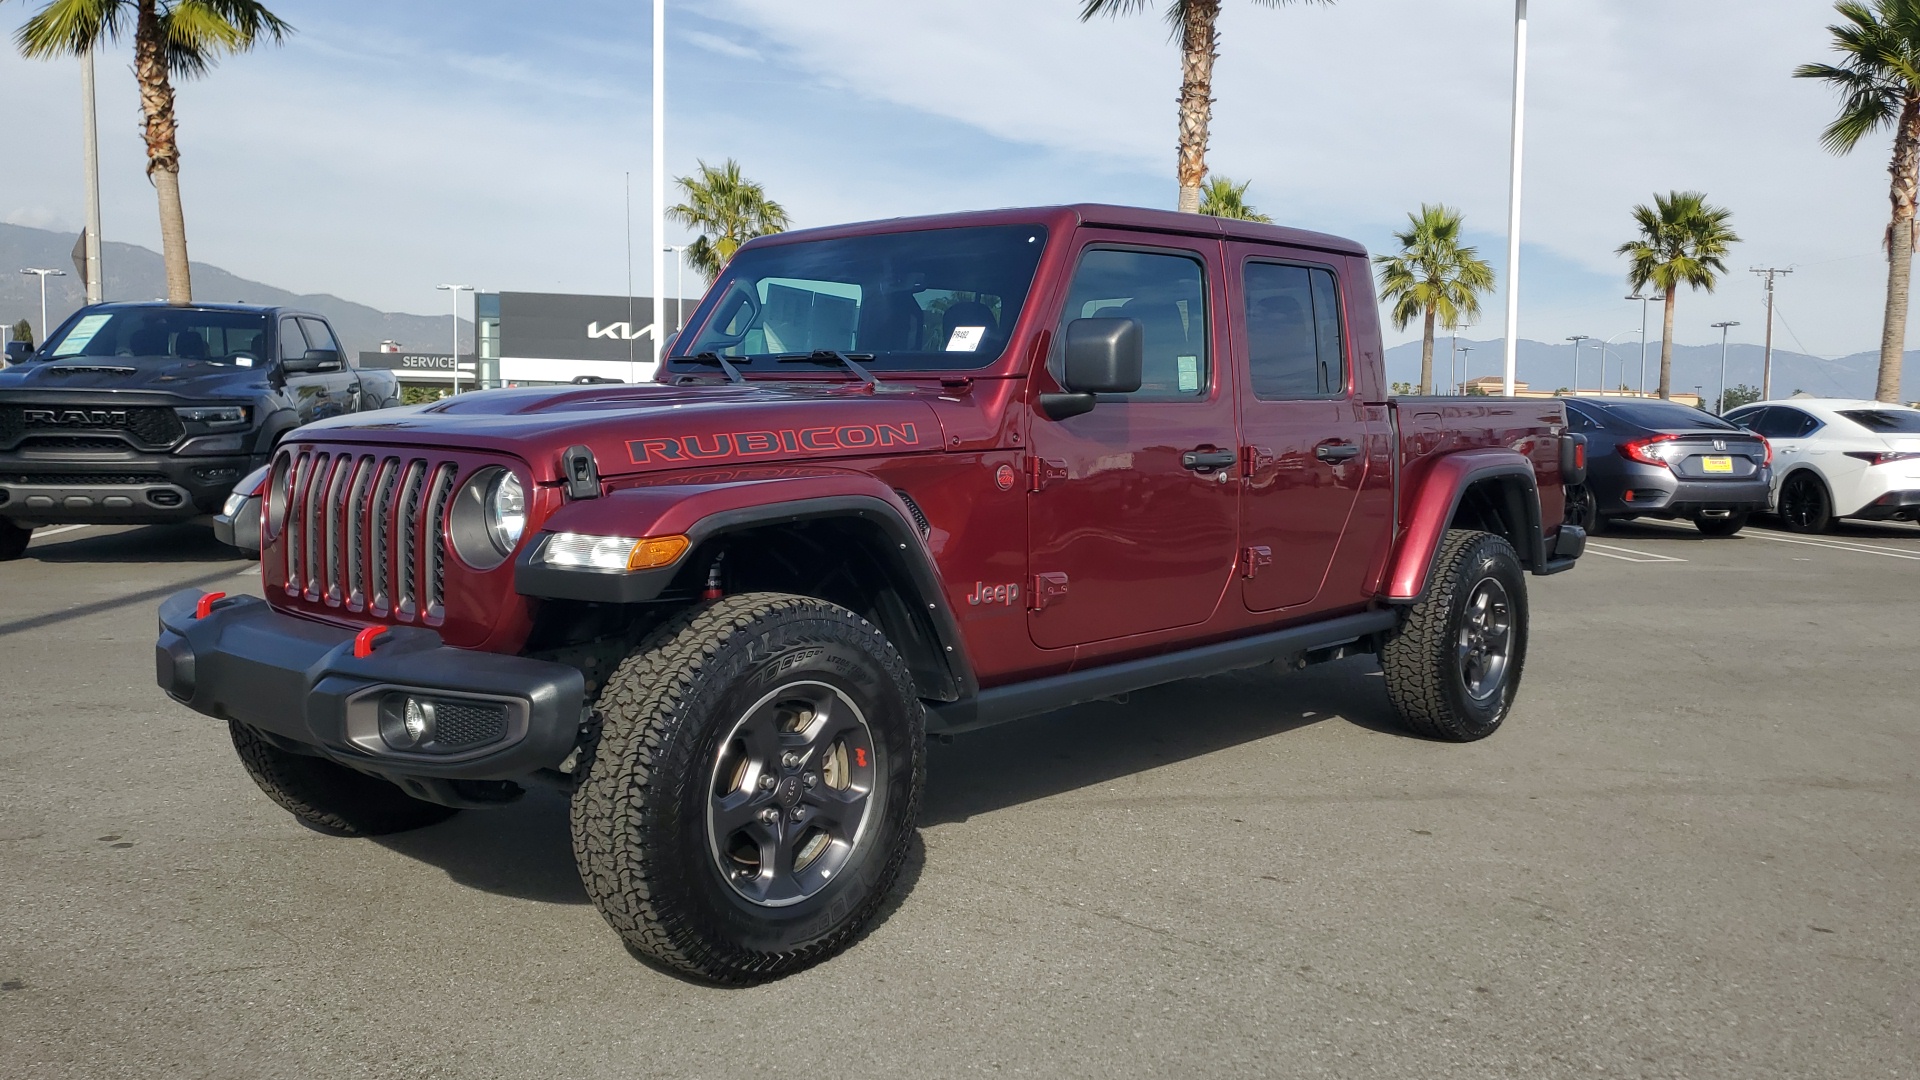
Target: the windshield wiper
(732, 373)
(819, 356)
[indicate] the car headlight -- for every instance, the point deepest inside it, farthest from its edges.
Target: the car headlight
(581, 551)
(213, 415)
(489, 516)
(506, 511)
(248, 487)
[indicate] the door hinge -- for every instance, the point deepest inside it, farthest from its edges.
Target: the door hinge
(1255, 559)
(1046, 589)
(1041, 472)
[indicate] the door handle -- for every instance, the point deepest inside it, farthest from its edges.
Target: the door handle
(1208, 460)
(1336, 451)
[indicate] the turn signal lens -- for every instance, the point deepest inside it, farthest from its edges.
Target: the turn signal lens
(657, 552)
(579, 551)
(1648, 451)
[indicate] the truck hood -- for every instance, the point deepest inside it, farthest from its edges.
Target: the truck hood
(654, 428)
(187, 378)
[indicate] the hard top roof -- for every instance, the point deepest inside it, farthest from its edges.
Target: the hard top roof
(1063, 217)
(199, 306)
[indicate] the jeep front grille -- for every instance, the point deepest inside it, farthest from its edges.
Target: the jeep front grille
(366, 532)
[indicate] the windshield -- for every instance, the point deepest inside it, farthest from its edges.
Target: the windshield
(220, 337)
(932, 300)
(1665, 416)
(1886, 421)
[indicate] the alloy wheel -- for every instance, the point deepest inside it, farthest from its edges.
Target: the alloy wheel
(791, 793)
(1485, 642)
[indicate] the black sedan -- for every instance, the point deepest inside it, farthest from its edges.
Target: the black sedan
(1651, 458)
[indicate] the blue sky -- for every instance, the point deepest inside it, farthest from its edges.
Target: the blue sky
(388, 147)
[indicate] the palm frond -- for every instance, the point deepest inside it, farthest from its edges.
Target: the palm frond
(73, 27)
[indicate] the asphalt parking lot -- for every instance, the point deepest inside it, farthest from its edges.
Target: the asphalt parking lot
(1693, 852)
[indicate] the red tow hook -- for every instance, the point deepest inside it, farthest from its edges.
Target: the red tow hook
(205, 606)
(363, 641)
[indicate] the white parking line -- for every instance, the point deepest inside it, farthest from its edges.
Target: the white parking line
(1610, 551)
(1839, 545)
(39, 534)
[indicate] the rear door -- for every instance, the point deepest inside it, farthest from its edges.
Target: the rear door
(1135, 504)
(1306, 440)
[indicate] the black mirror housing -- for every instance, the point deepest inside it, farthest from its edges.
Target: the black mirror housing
(18, 351)
(314, 360)
(1104, 356)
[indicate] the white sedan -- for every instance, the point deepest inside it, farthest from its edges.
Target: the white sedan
(1839, 458)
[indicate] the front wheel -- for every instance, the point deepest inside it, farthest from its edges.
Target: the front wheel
(751, 794)
(1454, 664)
(13, 540)
(1726, 526)
(1805, 506)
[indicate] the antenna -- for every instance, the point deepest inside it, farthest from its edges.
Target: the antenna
(1766, 367)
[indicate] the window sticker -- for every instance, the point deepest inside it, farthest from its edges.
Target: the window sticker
(82, 335)
(1189, 370)
(966, 338)
(243, 360)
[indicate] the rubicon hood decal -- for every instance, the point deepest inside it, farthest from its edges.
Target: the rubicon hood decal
(721, 446)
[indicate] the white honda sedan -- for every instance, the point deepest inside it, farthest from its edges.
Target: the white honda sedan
(1839, 458)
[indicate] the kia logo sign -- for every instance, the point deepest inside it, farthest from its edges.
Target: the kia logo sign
(619, 331)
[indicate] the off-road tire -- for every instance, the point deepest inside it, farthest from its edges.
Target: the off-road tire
(639, 811)
(13, 540)
(1423, 672)
(328, 797)
(1726, 526)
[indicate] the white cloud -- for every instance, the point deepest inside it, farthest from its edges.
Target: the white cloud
(714, 43)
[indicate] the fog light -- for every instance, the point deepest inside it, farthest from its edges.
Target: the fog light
(406, 723)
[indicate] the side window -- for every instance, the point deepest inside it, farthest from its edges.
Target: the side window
(1581, 421)
(293, 344)
(1746, 418)
(1294, 346)
(1797, 423)
(319, 335)
(1167, 295)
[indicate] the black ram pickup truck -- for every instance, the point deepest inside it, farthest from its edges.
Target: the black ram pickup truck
(152, 412)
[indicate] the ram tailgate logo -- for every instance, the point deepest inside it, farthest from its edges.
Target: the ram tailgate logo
(789, 441)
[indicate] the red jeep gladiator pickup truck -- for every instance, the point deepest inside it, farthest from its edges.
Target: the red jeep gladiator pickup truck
(894, 480)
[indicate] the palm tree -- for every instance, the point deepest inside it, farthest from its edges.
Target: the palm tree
(1879, 84)
(1434, 276)
(1682, 241)
(1224, 198)
(171, 38)
(1193, 23)
(727, 210)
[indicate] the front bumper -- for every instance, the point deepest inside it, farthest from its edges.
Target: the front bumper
(300, 683)
(126, 489)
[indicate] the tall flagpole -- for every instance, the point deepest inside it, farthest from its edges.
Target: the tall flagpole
(90, 128)
(1513, 191)
(659, 176)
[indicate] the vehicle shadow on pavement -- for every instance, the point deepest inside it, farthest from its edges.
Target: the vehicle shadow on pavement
(1024, 760)
(523, 850)
(147, 544)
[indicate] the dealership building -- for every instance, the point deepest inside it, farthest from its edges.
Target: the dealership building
(541, 339)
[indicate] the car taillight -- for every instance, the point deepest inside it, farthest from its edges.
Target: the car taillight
(1882, 457)
(1647, 451)
(1768, 447)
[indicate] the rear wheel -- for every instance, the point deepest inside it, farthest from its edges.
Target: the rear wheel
(1453, 666)
(1805, 505)
(1725, 526)
(13, 540)
(751, 795)
(1583, 509)
(328, 797)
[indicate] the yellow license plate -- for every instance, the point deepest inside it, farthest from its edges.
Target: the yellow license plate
(1717, 464)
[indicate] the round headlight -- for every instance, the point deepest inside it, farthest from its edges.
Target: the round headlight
(488, 517)
(506, 512)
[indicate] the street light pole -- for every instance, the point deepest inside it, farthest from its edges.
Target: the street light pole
(1577, 339)
(679, 286)
(44, 275)
(1642, 388)
(1513, 190)
(659, 175)
(1721, 407)
(455, 291)
(1460, 388)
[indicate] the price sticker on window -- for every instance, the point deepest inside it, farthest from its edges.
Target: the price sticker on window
(966, 338)
(1188, 370)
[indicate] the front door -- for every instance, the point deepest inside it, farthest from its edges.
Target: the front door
(1307, 442)
(1135, 504)
(316, 394)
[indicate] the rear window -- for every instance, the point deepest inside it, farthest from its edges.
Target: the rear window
(1664, 415)
(1886, 421)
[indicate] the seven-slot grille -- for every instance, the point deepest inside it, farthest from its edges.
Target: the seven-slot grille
(367, 532)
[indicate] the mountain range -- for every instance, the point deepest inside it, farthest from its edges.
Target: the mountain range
(136, 273)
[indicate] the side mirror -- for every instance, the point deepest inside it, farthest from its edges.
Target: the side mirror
(1102, 356)
(314, 360)
(18, 351)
